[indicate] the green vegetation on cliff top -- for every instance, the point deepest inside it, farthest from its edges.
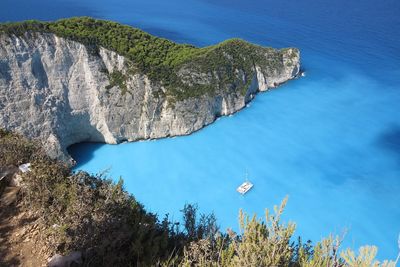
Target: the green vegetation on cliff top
(160, 58)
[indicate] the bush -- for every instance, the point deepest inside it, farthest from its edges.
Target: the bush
(89, 213)
(84, 212)
(16, 150)
(268, 243)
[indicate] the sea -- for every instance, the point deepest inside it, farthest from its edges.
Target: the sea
(330, 140)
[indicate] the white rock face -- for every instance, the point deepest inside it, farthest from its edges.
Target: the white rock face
(55, 90)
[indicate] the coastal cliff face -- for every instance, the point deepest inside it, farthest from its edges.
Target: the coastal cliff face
(62, 92)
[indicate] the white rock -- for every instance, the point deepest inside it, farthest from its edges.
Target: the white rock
(55, 89)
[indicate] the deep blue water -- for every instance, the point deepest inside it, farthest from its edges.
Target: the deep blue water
(331, 140)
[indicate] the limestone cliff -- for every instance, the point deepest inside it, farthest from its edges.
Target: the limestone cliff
(60, 91)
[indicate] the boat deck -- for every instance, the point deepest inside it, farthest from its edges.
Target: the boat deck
(244, 188)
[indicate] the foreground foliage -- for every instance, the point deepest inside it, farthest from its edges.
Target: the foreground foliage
(90, 213)
(268, 243)
(94, 215)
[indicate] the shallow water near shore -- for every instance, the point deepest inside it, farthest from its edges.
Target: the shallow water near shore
(330, 140)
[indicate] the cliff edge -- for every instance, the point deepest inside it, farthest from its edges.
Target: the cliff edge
(64, 86)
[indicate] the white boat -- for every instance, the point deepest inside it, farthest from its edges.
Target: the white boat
(245, 187)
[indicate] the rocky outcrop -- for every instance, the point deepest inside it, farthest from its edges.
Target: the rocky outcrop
(58, 90)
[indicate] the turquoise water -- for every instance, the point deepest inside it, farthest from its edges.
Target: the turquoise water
(330, 140)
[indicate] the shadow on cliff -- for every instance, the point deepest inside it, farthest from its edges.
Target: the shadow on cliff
(82, 153)
(390, 141)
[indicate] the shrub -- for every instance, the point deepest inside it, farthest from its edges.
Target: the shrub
(16, 150)
(92, 214)
(268, 243)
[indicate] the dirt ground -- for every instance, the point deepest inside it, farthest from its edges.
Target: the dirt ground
(18, 234)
